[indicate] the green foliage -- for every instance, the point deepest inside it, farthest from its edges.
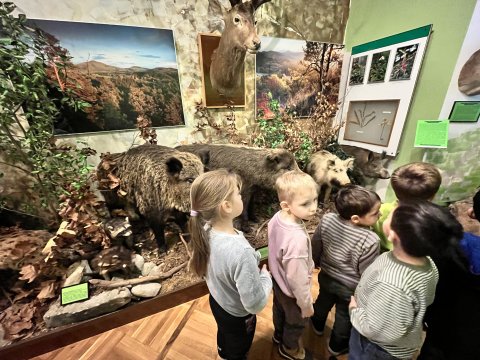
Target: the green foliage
(283, 131)
(32, 64)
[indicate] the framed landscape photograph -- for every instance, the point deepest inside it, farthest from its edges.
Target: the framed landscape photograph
(207, 43)
(290, 72)
(357, 74)
(371, 122)
(123, 72)
(378, 68)
(403, 62)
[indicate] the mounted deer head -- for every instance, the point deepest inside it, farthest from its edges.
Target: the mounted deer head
(238, 37)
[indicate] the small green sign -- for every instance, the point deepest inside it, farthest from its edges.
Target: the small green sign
(432, 134)
(74, 293)
(263, 252)
(465, 111)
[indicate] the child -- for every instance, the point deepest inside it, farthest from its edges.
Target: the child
(453, 320)
(394, 292)
(290, 261)
(414, 181)
(343, 247)
(230, 265)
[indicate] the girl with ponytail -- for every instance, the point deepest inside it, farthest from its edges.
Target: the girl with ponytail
(229, 264)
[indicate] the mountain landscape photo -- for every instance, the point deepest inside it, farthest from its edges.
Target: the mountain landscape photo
(122, 72)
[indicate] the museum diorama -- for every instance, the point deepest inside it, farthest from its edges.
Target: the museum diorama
(107, 119)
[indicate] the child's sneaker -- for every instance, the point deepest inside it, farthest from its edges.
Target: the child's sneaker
(336, 348)
(316, 328)
(291, 354)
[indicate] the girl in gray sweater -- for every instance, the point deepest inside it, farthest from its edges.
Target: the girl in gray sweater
(221, 254)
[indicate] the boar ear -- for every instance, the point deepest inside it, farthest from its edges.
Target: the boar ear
(275, 158)
(349, 163)
(174, 166)
(371, 156)
(384, 154)
(204, 156)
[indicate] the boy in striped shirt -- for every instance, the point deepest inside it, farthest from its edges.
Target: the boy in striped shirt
(343, 246)
(394, 292)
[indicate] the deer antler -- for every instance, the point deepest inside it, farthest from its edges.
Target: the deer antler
(258, 3)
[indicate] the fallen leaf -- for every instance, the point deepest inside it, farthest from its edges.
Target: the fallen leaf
(28, 272)
(48, 290)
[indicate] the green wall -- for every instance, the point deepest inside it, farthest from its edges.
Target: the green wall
(373, 19)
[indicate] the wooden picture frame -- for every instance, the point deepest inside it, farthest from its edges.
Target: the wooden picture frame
(371, 122)
(207, 43)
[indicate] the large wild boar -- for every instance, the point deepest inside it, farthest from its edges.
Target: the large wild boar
(329, 170)
(367, 163)
(258, 168)
(156, 180)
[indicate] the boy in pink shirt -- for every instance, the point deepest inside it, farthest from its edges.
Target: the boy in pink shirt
(290, 261)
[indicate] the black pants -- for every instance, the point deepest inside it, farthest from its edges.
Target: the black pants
(332, 292)
(234, 334)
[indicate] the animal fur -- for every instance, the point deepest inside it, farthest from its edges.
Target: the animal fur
(157, 181)
(258, 168)
(328, 170)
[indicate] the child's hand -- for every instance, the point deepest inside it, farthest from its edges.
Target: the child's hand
(265, 270)
(353, 303)
(306, 313)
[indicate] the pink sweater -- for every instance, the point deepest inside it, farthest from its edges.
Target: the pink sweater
(290, 259)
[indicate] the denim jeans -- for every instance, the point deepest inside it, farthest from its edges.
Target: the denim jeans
(363, 349)
(332, 293)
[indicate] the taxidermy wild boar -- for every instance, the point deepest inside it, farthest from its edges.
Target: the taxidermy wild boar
(469, 78)
(156, 180)
(329, 170)
(258, 168)
(367, 163)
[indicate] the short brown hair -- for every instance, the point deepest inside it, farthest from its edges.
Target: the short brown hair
(416, 181)
(355, 200)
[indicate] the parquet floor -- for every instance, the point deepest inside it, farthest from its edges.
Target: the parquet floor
(185, 332)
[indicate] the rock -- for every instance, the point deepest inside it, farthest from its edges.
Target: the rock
(147, 267)
(146, 290)
(157, 270)
(139, 262)
(75, 277)
(103, 303)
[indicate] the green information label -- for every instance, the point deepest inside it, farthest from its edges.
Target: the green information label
(74, 293)
(465, 111)
(263, 252)
(432, 134)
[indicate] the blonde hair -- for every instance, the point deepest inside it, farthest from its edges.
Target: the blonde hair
(288, 184)
(416, 181)
(208, 191)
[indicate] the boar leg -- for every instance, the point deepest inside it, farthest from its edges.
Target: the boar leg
(246, 197)
(328, 190)
(159, 232)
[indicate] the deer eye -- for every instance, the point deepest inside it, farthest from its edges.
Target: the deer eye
(236, 19)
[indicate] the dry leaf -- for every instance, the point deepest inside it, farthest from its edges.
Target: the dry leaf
(28, 272)
(48, 290)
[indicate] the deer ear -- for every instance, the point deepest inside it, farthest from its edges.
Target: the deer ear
(257, 3)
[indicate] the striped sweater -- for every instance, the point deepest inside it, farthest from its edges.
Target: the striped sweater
(392, 297)
(344, 250)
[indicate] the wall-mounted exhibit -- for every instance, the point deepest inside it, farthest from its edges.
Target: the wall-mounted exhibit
(124, 72)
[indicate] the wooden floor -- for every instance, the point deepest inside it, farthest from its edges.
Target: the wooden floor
(187, 331)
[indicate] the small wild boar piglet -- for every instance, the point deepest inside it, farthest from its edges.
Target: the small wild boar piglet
(329, 170)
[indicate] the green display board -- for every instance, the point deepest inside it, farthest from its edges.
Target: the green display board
(465, 111)
(432, 134)
(74, 293)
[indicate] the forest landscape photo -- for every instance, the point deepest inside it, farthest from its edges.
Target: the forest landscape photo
(294, 73)
(123, 72)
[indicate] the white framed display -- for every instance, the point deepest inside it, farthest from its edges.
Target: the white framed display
(378, 88)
